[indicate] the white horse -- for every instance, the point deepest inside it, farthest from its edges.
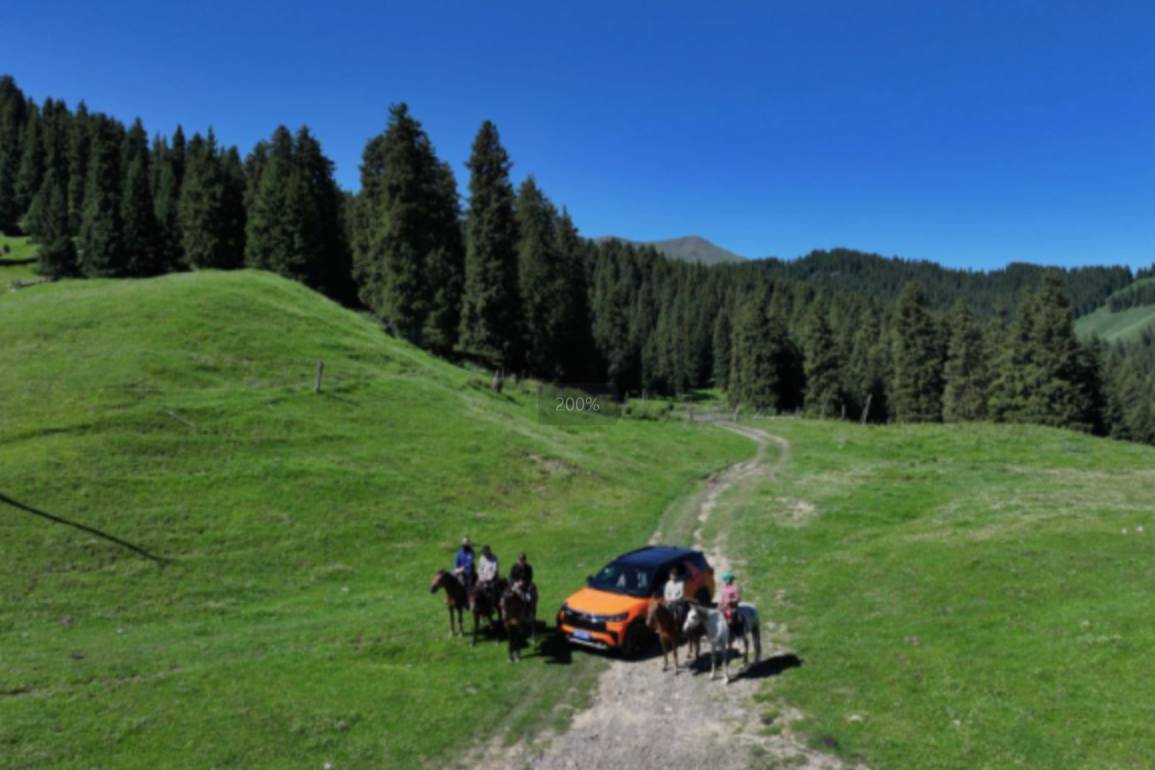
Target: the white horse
(718, 632)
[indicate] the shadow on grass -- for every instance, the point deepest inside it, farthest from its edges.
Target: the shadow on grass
(83, 528)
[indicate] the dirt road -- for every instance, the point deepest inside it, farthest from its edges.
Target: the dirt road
(643, 719)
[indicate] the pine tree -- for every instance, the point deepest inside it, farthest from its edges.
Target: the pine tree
(967, 370)
(445, 264)
(407, 244)
(722, 334)
(49, 216)
(12, 119)
(169, 173)
(764, 361)
(823, 367)
(1061, 398)
(79, 148)
(490, 322)
(211, 211)
(101, 245)
(544, 280)
(917, 359)
(233, 215)
(140, 236)
(31, 173)
(753, 376)
(274, 239)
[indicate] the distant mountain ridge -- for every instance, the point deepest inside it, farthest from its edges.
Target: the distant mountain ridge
(688, 248)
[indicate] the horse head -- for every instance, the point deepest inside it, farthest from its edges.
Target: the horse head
(693, 618)
(652, 615)
(438, 578)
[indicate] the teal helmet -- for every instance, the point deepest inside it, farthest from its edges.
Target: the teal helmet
(727, 577)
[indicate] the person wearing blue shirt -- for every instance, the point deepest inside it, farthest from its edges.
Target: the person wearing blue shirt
(463, 566)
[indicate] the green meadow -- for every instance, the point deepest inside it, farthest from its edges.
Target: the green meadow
(969, 596)
(294, 625)
(16, 253)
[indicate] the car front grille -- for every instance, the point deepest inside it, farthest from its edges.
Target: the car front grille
(582, 620)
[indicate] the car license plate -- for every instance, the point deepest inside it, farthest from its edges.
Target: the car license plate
(582, 634)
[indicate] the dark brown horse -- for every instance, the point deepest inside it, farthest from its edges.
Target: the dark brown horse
(485, 601)
(519, 620)
(661, 620)
(456, 598)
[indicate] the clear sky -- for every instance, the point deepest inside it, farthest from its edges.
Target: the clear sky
(971, 134)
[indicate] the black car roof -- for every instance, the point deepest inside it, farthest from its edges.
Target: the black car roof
(654, 556)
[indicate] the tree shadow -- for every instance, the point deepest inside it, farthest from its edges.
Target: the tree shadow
(83, 528)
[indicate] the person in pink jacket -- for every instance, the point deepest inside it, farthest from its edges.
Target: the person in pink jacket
(729, 598)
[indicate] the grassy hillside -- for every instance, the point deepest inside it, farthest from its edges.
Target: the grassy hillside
(16, 255)
(1117, 327)
(961, 597)
(295, 625)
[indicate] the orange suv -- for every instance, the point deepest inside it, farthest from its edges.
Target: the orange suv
(610, 612)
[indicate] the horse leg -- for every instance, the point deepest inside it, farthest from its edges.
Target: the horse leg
(675, 646)
(448, 607)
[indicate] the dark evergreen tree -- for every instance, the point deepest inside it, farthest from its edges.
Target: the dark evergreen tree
(545, 275)
(445, 264)
(140, 239)
(211, 212)
(49, 217)
(79, 147)
(490, 323)
(31, 172)
(12, 119)
(101, 244)
(274, 237)
(967, 371)
(408, 247)
(722, 335)
(918, 383)
(169, 173)
(823, 367)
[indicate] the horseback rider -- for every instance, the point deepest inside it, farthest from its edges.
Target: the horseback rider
(463, 567)
(521, 576)
(728, 601)
(674, 594)
(487, 572)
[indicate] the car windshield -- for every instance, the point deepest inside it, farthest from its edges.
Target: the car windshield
(624, 579)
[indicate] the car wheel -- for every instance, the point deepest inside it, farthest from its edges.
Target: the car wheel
(635, 640)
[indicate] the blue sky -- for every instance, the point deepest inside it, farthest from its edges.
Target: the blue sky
(971, 135)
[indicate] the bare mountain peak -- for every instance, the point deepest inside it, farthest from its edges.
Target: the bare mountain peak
(690, 248)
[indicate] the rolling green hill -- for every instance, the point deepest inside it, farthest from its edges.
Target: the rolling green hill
(1118, 326)
(295, 624)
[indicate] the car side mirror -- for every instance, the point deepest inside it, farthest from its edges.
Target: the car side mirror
(589, 580)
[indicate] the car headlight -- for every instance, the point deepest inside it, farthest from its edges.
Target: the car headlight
(615, 618)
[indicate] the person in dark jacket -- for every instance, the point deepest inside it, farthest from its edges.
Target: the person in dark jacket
(521, 576)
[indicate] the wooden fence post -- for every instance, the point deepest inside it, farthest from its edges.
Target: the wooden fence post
(320, 376)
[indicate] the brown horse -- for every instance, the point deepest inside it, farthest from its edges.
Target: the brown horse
(455, 598)
(660, 619)
(519, 620)
(485, 601)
